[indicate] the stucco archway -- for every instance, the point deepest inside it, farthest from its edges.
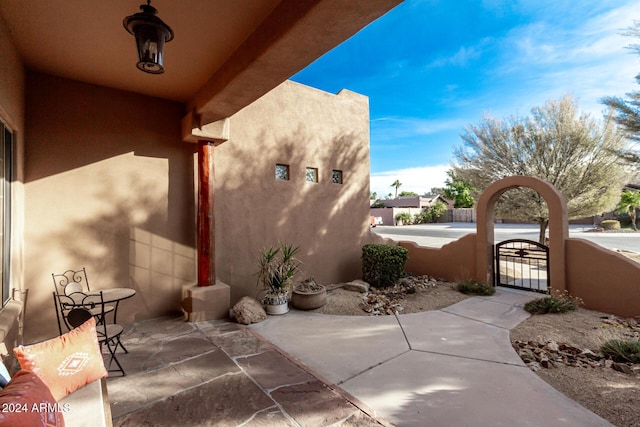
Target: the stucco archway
(558, 226)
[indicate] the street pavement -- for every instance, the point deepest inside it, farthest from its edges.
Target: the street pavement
(437, 235)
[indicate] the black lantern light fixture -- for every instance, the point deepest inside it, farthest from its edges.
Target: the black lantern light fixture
(151, 34)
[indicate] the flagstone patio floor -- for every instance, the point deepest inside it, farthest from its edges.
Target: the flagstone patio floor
(223, 374)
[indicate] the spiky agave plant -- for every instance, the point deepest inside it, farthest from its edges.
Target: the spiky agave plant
(277, 267)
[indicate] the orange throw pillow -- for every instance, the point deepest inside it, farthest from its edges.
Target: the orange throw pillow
(67, 362)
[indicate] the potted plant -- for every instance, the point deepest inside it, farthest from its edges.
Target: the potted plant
(275, 275)
(308, 295)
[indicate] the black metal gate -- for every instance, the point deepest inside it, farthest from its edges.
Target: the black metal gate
(522, 264)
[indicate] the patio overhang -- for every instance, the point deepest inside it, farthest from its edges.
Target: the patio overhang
(295, 34)
(225, 54)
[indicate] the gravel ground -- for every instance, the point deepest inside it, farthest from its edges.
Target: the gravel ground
(611, 394)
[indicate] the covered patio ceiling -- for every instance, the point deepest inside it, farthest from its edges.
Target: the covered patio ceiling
(225, 54)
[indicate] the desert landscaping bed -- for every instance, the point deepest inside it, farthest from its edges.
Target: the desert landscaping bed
(568, 342)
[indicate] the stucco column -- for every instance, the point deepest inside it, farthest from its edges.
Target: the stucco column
(206, 217)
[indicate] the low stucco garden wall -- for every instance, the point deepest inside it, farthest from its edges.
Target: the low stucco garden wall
(605, 280)
(455, 261)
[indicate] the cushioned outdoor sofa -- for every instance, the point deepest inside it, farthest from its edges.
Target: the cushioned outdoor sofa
(58, 382)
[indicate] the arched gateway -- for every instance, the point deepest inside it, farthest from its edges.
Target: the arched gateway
(558, 226)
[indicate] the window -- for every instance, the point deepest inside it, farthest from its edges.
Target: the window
(336, 176)
(6, 150)
(282, 172)
(312, 174)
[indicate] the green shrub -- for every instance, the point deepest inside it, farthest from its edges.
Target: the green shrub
(624, 218)
(430, 214)
(610, 224)
(382, 265)
(474, 288)
(405, 217)
(556, 302)
(622, 350)
(437, 210)
(423, 217)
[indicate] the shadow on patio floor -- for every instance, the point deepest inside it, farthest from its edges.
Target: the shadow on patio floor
(220, 373)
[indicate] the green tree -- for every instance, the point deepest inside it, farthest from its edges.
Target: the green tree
(457, 190)
(629, 203)
(437, 191)
(396, 184)
(408, 193)
(373, 195)
(572, 151)
(430, 213)
(627, 111)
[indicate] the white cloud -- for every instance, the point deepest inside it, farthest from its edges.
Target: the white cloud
(400, 127)
(588, 60)
(418, 179)
(459, 59)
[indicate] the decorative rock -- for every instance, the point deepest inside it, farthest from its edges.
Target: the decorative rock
(622, 367)
(248, 310)
(590, 354)
(552, 346)
(357, 286)
(534, 366)
(527, 355)
(548, 354)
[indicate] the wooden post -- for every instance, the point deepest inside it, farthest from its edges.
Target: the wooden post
(206, 216)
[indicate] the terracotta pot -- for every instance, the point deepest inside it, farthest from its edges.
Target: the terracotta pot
(308, 299)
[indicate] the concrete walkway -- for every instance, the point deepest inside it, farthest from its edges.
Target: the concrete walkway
(452, 367)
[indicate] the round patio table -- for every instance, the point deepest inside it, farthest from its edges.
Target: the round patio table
(115, 295)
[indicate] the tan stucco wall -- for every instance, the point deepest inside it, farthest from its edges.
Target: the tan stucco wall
(605, 280)
(299, 126)
(11, 82)
(12, 112)
(108, 186)
(12, 85)
(454, 261)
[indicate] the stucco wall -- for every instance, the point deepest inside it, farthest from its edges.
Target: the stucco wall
(302, 127)
(12, 85)
(11, 82)
(454, 261)
(605, 280)
(108, 186)
(12, 112)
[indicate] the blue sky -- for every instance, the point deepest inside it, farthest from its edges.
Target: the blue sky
(431, 67)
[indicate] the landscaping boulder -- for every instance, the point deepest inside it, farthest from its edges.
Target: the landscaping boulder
(248, 310)
(356, 286)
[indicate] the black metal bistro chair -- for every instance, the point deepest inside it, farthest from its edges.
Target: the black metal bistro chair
(72, 281)
(75, 309)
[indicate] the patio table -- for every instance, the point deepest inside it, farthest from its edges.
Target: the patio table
(115, 295)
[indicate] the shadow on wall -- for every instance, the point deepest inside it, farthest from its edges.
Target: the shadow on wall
(123, 240)
(254, 210)
(103, 168)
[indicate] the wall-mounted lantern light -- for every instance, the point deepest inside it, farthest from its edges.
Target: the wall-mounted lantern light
(151, 35)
